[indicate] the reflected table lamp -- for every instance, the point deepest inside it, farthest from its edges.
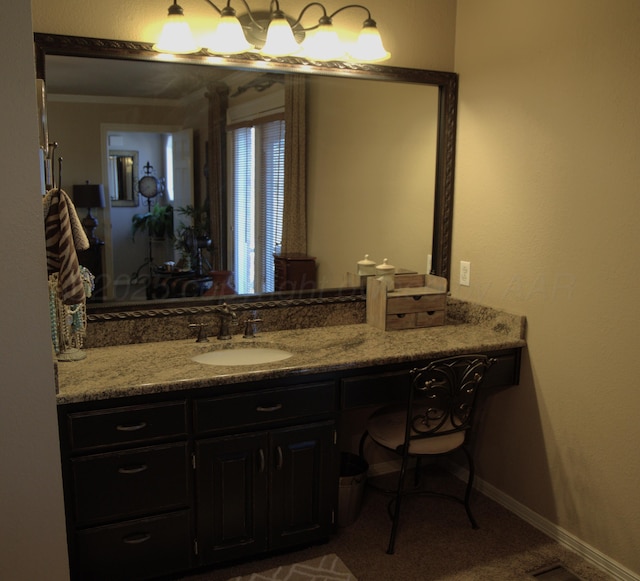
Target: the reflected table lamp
(89, 196)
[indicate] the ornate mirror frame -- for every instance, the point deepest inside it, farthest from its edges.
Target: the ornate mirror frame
(447, 83)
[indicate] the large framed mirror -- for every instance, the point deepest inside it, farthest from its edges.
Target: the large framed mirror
(380, 151)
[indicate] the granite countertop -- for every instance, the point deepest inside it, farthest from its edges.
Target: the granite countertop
(127, 370)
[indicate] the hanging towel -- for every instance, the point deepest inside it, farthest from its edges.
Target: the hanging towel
(64, 236)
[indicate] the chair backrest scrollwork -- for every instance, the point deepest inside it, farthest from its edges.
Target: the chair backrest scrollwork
(443, 395)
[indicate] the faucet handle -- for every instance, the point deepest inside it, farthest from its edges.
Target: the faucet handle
(202, 336)
(250, 327)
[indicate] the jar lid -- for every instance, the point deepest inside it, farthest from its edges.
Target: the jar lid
(366, 261)
(385, 268)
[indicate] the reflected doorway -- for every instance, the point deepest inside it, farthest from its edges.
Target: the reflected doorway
(169, 150)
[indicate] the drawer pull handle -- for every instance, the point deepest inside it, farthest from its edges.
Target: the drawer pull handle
(273, 408)
(136, 538)
(416, 297)
(261, 458)
(131, 427)
(133, 469)
(280, 458)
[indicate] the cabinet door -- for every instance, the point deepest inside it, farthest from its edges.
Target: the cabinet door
(304, 484)
(231, 492)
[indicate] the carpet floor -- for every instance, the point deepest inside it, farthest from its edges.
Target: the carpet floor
(435, 543)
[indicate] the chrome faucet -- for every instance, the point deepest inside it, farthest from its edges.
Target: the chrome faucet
(250, 327)
(227, 319)
(202, 336)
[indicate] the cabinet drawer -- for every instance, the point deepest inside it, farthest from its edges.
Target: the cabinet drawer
(375, 389)
(122, 484)
(416, 303)
(415, 320)
(264, 406)
(125, 425)
(138, 549)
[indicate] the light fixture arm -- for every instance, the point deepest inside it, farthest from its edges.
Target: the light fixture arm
(352, 6)
(228, 8)
(214, 6)
(324, 14)
(327, 18)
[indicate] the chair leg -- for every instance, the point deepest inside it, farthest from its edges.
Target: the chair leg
(361, 445)
(467, 495)
(396, 513)
(418, 473)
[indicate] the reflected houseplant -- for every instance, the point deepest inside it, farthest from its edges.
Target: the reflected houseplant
(192, 237)
(157, 222)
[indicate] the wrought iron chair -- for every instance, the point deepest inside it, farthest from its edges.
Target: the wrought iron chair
(435, 420)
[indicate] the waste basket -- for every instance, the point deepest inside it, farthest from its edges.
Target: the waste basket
(353, 475)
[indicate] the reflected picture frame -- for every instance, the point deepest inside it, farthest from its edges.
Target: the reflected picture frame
(122, 168)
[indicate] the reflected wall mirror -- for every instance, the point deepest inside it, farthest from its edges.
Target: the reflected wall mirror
(381, 185)
(122, 167)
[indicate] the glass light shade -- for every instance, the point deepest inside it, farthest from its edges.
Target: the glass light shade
(228, 38)
(323, 44)
(176, 37)
(280, 40)
(368, 47)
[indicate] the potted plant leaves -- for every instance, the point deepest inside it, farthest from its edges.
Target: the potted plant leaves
(193, 237)
(157, 222)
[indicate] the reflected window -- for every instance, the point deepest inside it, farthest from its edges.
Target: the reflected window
(168, 164)
(257, 191)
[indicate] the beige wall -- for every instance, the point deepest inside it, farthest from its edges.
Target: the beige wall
(546, 210)
(32, 537)
(370, 176)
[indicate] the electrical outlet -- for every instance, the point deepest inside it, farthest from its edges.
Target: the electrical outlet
(465, 273)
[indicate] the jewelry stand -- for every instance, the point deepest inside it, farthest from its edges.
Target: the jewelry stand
(68, 322)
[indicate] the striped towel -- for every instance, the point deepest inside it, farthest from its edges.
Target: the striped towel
(64, 235)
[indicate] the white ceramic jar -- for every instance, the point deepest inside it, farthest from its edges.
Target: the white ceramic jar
(366, 267)
(385, 272)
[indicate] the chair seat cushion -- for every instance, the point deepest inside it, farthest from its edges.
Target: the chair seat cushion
(387, 425)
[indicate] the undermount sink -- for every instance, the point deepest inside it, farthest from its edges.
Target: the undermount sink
(242, 356)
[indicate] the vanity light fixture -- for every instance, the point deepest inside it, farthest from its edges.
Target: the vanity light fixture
(273, 33)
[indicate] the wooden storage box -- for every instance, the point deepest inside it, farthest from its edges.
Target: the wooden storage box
(417, 301)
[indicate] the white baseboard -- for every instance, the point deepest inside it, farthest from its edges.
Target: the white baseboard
(563, 537)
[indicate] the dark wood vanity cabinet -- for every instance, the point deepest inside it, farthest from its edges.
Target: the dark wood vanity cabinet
(272, 483)
(157, 488)
(127, 489)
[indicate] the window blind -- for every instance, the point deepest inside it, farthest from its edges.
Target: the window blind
(258, 199)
